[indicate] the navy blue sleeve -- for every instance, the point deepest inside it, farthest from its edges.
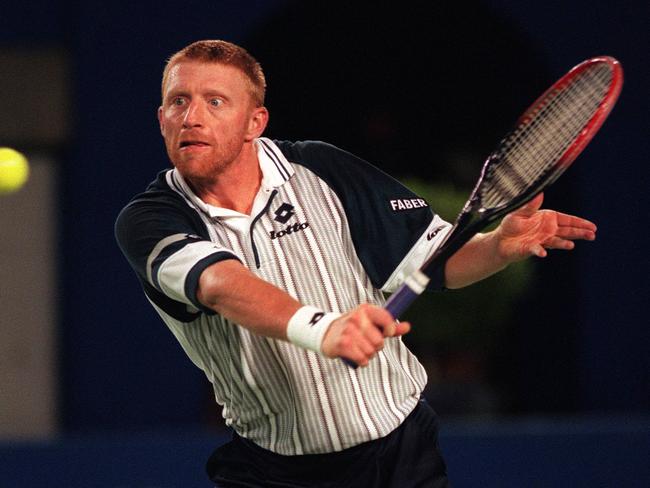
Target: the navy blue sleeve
(386, 219)
(152, 228)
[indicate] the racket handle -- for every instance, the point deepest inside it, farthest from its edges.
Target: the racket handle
(350, 363)
(401, 300)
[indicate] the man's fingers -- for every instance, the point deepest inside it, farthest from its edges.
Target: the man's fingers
(388, 330)
(402, 328)
(576, 233)
(373, 336)
(360, 334)
(538, 250)
(360, 351)
(565, 220)
(559, 243)
(360, 359)
(377, 315)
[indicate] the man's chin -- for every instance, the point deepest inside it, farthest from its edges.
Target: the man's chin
(199, 172)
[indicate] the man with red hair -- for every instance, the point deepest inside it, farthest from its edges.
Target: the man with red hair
(268, 261)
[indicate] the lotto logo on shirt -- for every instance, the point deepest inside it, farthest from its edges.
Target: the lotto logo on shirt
(283, 213)
(401, 204)
(289, 230)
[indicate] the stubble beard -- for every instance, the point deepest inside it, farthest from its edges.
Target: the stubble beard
(205, 170)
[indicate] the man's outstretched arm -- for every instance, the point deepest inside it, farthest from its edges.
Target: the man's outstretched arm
(525, 232)
(230, 289)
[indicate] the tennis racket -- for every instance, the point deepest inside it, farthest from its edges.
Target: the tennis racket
(546, 139)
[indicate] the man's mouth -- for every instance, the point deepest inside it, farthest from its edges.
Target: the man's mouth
(186, 144)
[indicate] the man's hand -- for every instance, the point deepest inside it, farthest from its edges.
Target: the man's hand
(359, 334)
(525, 232)
(530, 231)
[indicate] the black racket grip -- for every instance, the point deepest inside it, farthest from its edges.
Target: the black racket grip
(350, 363)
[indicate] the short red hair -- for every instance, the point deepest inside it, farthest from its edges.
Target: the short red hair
(222, 52)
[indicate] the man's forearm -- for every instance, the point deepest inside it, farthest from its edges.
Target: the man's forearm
(236, 293)
(476, 260)
(233, 291)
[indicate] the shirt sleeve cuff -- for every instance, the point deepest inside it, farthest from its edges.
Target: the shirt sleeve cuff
(192, 279)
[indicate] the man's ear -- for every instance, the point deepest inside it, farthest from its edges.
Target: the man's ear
(257, 123)
(160, 120)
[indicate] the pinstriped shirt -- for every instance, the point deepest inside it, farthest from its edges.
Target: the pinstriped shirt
(333, 232)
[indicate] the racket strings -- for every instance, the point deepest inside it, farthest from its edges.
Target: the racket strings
(539, 142)
(544, 135)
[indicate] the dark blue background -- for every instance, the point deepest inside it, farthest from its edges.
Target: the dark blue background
(121, 369)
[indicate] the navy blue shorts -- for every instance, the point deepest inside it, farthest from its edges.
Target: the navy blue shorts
(408, 457)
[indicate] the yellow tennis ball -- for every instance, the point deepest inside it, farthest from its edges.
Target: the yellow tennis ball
(14, 170)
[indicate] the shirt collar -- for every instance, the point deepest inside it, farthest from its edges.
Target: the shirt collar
(275, 168)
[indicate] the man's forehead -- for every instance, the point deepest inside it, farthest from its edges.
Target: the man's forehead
(194, 65)
(187, 70)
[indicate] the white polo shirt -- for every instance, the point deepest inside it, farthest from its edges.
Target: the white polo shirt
(333, 232)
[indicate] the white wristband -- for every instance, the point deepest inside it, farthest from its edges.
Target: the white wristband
(307, 327)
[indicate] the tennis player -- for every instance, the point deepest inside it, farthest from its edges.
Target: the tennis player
(268, 261)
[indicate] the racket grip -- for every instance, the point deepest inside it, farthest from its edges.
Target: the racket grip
(399, 301)
(396, 305)
(350, 363)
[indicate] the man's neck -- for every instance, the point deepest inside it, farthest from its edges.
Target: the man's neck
(235, 188)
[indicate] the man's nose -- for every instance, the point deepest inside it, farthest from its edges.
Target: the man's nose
(193, 115)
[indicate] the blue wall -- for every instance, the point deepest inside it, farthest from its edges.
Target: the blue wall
(613, 353)
(113, 342)
(122, 369)
(585, 453)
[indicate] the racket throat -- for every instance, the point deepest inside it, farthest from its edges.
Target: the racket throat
(465, 227)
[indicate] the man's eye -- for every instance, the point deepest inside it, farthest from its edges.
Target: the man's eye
(215, 102)
(178, 101)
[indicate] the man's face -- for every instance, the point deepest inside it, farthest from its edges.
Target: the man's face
(206, 117)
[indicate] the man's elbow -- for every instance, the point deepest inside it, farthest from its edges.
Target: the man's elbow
(217, 282)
